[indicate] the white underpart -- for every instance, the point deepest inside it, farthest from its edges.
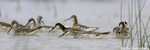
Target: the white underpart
(45, 29)
(121, 26)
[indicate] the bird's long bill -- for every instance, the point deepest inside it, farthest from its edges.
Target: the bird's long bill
(67, 19)
(105, 32)
(51, 29)
(9, 30)
(43, 22)
(27, 24)
(62, 34)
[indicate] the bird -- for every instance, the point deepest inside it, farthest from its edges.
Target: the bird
(22, 31)
(77, 25)
(121, 31)
(40, 21)
(4, 27)
(76, 32)
(31, 23)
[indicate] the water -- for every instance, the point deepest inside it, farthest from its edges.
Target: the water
(104, 14)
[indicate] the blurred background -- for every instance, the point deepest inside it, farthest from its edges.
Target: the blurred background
(57, 10)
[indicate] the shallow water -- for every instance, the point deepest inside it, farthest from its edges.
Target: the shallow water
(104, 14)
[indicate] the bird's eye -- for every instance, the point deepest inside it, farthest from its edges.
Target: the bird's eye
(119, 32)
(125, 22)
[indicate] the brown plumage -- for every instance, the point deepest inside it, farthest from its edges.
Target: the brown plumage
(22, 31)
(121, 30)
(4, 26)
(75, 32)
(77, 25)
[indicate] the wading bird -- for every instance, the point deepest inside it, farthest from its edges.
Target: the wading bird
(22, 31)
(121, 31)
(76, 32)
(77, 25)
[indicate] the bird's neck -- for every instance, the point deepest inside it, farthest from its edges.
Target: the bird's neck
(75, 21)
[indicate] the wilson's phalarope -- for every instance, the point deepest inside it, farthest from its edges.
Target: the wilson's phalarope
(4, 26)
(44, 28)
(76, 32)
(77, 25)
(31, 23)
(122, 30)
(40, 21)
(22, 31)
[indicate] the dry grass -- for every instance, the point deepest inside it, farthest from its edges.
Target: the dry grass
(138, 30)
